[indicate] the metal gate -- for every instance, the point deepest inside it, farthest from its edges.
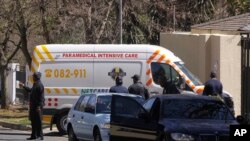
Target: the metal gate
(245, 75)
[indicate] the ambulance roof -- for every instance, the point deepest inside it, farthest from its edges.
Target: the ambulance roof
(109, 48)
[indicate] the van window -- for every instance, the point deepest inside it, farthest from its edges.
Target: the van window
(191, 76)
(165, 70)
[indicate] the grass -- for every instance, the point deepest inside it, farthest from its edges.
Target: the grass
(19, 121)
(15, 114)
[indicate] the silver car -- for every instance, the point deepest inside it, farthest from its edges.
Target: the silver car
(89, 118)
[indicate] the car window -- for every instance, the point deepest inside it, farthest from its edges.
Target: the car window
(84, 103)
(103, 104)
(90, 108)
(77, 106)
(127, 107)
(149, 103)
(195, 109)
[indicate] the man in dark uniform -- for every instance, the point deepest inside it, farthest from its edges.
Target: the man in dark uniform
(36, 106)
(213, 86)
(168, 87)
(138, 88)
(118, 88)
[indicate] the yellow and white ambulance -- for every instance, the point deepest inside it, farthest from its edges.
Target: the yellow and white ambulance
(70, 70)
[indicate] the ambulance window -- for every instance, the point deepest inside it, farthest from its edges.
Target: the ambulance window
(191, 76)
(165, 70)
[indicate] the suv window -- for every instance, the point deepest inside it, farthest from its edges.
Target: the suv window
(148, 105)
(84, 103)
(127, 107)
(195, 109)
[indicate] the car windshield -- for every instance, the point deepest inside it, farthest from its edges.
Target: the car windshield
(195, 109)
(191, 76)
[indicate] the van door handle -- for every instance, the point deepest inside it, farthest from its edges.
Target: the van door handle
(82, 117)
(73, 116)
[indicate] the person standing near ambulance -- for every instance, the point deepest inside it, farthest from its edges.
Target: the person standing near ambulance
(118, 88)
(138, 88)
(214, 87)
(35, 106)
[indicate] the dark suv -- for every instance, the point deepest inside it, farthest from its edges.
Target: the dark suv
(182, 117)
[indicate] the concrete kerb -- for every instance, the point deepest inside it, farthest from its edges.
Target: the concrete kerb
(18, 126)
(15, 126)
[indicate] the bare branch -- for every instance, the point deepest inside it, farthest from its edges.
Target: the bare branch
(15, 51)
(104, 22)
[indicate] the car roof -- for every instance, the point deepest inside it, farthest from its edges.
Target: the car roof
(187, 97)
(110, 94)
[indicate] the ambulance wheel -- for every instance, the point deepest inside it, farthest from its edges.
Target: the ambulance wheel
(61, 123)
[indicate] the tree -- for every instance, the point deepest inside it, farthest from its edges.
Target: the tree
(9, 43)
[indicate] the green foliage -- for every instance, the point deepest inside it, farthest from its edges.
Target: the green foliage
(237, 7)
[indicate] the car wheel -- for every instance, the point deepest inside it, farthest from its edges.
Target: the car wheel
(97, 135)
(162, 137)
(71, 135)
(61, 123)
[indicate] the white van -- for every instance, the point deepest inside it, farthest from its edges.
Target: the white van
(70, 70)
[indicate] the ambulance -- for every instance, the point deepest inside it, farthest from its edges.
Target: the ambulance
(71, 70)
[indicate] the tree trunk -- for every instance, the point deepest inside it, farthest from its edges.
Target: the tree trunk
(23, 33)
(3, 88)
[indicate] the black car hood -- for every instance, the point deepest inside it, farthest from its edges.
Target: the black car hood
(196, 127)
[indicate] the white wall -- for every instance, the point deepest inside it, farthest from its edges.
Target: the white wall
(203, 53)
(11, 83)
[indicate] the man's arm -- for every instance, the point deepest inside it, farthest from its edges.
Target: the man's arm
(26, 88)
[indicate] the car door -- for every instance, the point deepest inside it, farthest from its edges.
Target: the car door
(89, 117)
(130, 121)
(74, 115)
(81, 130)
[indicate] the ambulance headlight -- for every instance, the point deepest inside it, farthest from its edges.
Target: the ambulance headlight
(181, 137)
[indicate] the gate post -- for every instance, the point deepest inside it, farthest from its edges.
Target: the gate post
(245, 75)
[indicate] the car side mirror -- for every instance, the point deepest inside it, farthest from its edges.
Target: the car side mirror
(241, 120)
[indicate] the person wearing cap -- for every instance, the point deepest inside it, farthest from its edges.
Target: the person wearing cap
(213, 86)
(118, 88)
(138, 88)
(36, 101)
